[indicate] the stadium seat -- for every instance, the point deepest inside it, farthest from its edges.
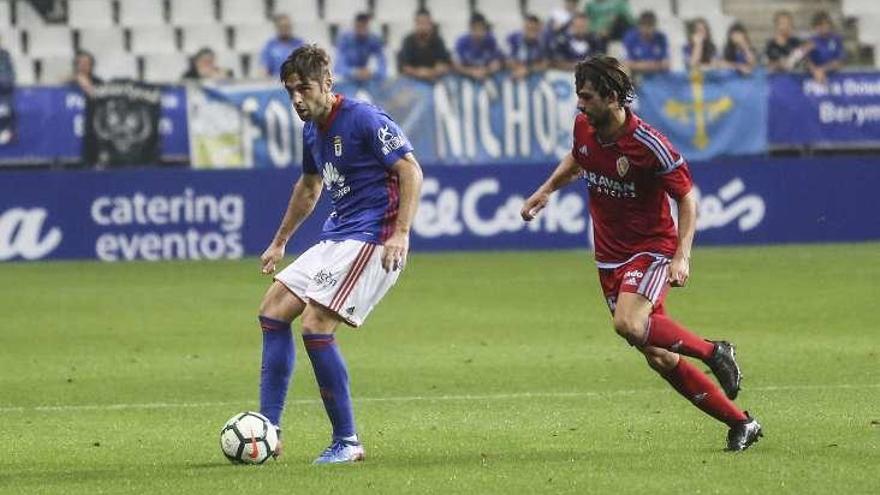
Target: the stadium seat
(119, 66)
(49, 41)
(197, 37)
(240, 12)
(659, 7)
(251, 37)
(102, 40)
(388, 11)
(298, 10)
(141, 13)
(855, 8)
(343, 11)
(228, 59)
(688, 9)
(89, 13)
(5, 15)
(10, 39)
(502, 27)
(192, 12)
(452, 11)
(314, 32)
(153, 39)
(164, 68)
(869, 28)
(55, 69)
(500, 11)
(24, 70)
(27, 16)
(397, 31)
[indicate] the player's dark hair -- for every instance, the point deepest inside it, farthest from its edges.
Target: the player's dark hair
(607, 76)
(308, 62)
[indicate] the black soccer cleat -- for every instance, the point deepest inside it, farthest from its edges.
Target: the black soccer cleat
(724, 367)
(744, 434)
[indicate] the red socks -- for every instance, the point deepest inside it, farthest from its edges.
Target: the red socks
(698, 388)
(665, 333)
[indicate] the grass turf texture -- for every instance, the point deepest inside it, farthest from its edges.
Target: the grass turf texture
(494, 372)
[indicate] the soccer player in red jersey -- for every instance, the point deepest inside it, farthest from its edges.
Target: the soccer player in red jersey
(630, 169)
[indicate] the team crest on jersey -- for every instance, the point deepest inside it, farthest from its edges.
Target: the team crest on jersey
(622, 166)
(337, 145)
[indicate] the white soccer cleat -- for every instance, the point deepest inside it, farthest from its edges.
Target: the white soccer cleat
(340, 452)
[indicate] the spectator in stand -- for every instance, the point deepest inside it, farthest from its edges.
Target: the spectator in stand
(647, 50)
(575, 43)
(739, 54)
(784, 50)
(826, 48)
(477, 51)
(561, 16)
(528, 52)
(7, 89)
(84, 72)
(359, 53)
(203, 67)
(423, 54)
(699, 52)
(611, 19)
(277, 49)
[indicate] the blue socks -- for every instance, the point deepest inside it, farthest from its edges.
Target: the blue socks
(332, 377)
(278, 358)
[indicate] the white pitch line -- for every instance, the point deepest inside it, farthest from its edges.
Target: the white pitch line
(413, 398)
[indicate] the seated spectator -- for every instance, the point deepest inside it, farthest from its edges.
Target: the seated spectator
(784, 50)
(575, 44)
(7, 89)
(203, 67)
(277, 49)
(423, 54)
(826, 48)
(84, 72)
(528, 53)
(611, 19)
(359, 53)
(699, 52)
(477, 52)
(647, 50)
(739, 54)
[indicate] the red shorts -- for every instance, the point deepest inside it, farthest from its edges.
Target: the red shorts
(645, 275)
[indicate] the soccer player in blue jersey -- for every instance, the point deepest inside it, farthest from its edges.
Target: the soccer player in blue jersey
(360, 156)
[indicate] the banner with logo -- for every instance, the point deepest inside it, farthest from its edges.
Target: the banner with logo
(50, 124)
(708, 114)
(122, 124)
(181, 214)
(846, 110)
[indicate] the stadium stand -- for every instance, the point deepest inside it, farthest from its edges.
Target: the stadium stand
(139, 13)
(193, 12)
(90, 13)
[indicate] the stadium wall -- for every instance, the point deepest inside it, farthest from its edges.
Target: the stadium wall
(183, 214)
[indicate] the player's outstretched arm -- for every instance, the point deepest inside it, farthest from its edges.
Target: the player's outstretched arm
(679, 268)
(566, 172)
(305, 195)
(409, 176)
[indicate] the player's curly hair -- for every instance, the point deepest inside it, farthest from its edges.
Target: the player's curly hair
(308, 62)
(607, 76)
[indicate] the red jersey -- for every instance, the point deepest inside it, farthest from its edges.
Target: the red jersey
(628, 180)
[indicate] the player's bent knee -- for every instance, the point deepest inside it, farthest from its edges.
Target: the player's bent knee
(279, 304)
(660, 360)
(319, 320)
(630, 328)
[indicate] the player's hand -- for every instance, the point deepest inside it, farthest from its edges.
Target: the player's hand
(533, 205)
(679, 271)
(271, 256)
(394, 252)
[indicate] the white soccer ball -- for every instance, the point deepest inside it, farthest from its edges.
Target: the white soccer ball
(248, 438)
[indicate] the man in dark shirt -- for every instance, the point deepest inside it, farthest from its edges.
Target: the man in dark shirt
(576, 43)
(784, 50)
(424, 55)
(477, 53)
(528, 52)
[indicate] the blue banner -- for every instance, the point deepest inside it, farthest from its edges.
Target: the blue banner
(708, 114)
(182, 214)
(49, 126)
(846, 110)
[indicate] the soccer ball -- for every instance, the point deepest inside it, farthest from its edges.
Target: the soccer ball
(248, 438)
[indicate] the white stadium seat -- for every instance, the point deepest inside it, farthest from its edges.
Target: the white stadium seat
(27, 16)
(49, 41)
(313, 32)
(24, 71)
(252, 37)
(10, 39)
(242, 12)
(119, 66)
(164, 68)
(343, 11)
(5, 15)
(452, 11)
(395, 10)
(141, 12)
(227, 59)
(659, 7)
(688, 9)
(197, 37)
(55, 69)
(102, 40)
(152, 39)
(192, 12)
(855, 8)
(298, 10)
(397, 31)
(500, 11)
(90, 13)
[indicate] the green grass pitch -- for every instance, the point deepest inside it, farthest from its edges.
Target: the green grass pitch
(479, 373)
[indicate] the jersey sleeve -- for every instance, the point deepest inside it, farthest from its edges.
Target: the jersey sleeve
(669, 165)
(385, 140)
(308, 162)
(579, 153)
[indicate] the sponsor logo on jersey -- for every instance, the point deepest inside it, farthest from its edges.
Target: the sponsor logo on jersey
(622, 166)
(337, 146)
(21, 234)
(610, 187)
(389, 141)
(333, 179)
